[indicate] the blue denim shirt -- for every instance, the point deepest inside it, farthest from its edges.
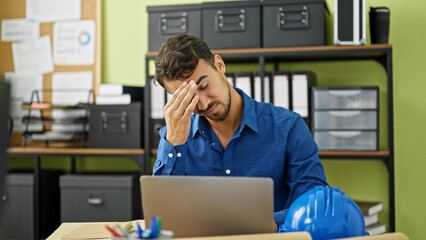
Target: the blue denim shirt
(270, 142)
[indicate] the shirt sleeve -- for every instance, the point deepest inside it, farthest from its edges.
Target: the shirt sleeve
(304, 169)
(170, 159)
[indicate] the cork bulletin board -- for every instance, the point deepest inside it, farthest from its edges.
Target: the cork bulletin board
(16, 9)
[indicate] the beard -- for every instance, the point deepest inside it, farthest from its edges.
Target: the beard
(222, 111)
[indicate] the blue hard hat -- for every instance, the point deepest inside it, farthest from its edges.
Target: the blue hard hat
(326, 213)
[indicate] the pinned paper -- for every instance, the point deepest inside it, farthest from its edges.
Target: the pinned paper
(33, 56)
(74, 43)
(53, 10)
(19, 30)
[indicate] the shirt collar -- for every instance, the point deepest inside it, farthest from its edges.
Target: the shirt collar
(249, 116)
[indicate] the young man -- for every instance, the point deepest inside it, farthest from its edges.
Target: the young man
(230, 134)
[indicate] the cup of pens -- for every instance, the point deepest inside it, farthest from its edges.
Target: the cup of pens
(136, 232)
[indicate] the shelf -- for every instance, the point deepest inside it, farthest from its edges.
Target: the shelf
(383, 154)
(73, 151)
(373, 51)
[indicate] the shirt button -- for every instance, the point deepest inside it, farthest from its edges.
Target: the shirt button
(213, 144)
(228, 171)
(170, 155)
(179, 154)
(202, 132)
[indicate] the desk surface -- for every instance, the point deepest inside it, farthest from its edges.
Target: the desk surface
(66, 228)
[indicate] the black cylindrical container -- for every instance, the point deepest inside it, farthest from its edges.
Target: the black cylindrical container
(379, 24)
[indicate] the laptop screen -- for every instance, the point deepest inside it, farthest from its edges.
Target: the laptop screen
(207, 206)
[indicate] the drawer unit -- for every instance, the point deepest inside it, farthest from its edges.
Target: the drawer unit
(86, 198)
(346, 119)
(293, 23)
(346, 140)
(168, 21)
(18, 205)
(234, 24)
(345, 98)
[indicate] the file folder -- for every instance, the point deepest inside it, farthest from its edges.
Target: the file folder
(281, 89)
(157, 100)
(300, 93)
(231, 78)
(244, 81)
(262, 88)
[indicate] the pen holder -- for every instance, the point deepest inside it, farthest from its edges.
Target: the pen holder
(164, 235)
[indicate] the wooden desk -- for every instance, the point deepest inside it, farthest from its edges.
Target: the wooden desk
(66, 228)
(137, 155)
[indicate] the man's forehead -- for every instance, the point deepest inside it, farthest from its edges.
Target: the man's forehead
(173, 84)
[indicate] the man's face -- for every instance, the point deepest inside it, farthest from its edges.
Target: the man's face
(212, 88)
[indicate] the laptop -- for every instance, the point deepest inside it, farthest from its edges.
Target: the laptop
(208, 206)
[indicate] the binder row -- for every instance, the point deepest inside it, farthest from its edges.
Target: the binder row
(287, 89)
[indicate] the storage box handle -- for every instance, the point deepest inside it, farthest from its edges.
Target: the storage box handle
(172, 25)
(95, 199)
(231, 20)
(290, 17)
(344, 114)
(113, 123)
(4, 197)
(345, 134)
(345, 93)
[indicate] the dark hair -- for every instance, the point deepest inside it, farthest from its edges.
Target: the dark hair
(178, 58)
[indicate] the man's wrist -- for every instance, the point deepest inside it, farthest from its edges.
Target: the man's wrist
(175, 142)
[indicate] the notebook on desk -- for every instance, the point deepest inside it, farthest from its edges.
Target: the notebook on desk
(207, 206)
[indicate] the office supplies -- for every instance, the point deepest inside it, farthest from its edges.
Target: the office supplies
(153, 227)
(139, 230)
(349, 22)
(206, 206)
(379, 24)
(113, 231)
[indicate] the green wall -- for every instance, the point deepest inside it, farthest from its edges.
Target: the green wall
(125, 41)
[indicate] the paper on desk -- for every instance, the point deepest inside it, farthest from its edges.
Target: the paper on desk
(19, 30)
(74, 43)
(53, 10)
(33, 56)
